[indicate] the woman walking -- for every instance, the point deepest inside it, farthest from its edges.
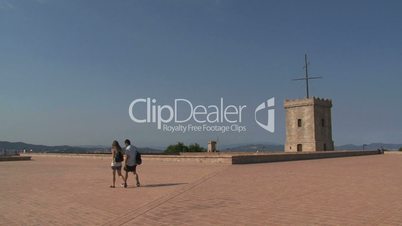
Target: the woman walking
(117, 159)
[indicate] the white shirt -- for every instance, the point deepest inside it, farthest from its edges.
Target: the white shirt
(131, 152)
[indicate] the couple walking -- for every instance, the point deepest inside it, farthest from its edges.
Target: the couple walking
(130, 158)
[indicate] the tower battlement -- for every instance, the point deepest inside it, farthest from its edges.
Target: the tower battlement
(307, 102)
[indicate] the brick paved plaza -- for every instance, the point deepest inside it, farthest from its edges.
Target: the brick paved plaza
(52, 190)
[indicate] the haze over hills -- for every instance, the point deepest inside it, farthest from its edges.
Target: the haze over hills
(252, 147)
(269, 147)
(20, 146)
(371, 146)
(279, 147)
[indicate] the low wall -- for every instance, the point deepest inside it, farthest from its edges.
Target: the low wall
(70, 155)
(228, 157)
(278, 157)
(15, 158)
(393, 152)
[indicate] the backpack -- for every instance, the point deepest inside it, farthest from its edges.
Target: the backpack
(138, 158)
(118, 157)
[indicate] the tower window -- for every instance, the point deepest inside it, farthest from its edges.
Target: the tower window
(322, 122)
(299, 123)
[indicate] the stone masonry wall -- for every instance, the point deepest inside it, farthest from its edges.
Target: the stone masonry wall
(316, 125)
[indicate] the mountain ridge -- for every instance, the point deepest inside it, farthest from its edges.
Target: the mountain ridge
(20, 146)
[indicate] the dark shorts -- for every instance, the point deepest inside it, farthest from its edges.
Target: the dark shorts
(116, 167)
(130, 168)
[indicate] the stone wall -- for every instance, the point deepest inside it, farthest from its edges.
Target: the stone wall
(230, 158)
(248, 159)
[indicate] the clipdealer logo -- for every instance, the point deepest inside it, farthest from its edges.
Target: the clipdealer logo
(268, 105)
(183, 116)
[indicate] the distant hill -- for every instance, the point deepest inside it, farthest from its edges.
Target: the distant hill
(268, 147)
(149, 150)
(20, 146)
(372, 146)
(252, 147)
(279, 147)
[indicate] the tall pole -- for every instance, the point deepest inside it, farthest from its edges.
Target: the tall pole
(306, 76)
(306, 65)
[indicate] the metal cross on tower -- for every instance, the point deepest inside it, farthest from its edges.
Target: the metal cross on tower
(306, 76)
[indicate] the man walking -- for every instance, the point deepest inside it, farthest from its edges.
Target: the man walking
(130, 163)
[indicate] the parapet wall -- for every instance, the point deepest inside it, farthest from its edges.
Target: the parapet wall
(232, 158)
(308, 102)
(286, 156)
(15, 158)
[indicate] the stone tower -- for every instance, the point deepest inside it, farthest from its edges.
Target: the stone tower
(308, 125)
(212, 146)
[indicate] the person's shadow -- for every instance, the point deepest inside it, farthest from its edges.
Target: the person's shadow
(161, 185)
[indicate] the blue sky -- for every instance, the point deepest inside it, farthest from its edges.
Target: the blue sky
(69, 69)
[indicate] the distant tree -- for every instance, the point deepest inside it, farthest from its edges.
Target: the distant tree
(177, 148)
(400, 149)
(180, 147)
(195, 148)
